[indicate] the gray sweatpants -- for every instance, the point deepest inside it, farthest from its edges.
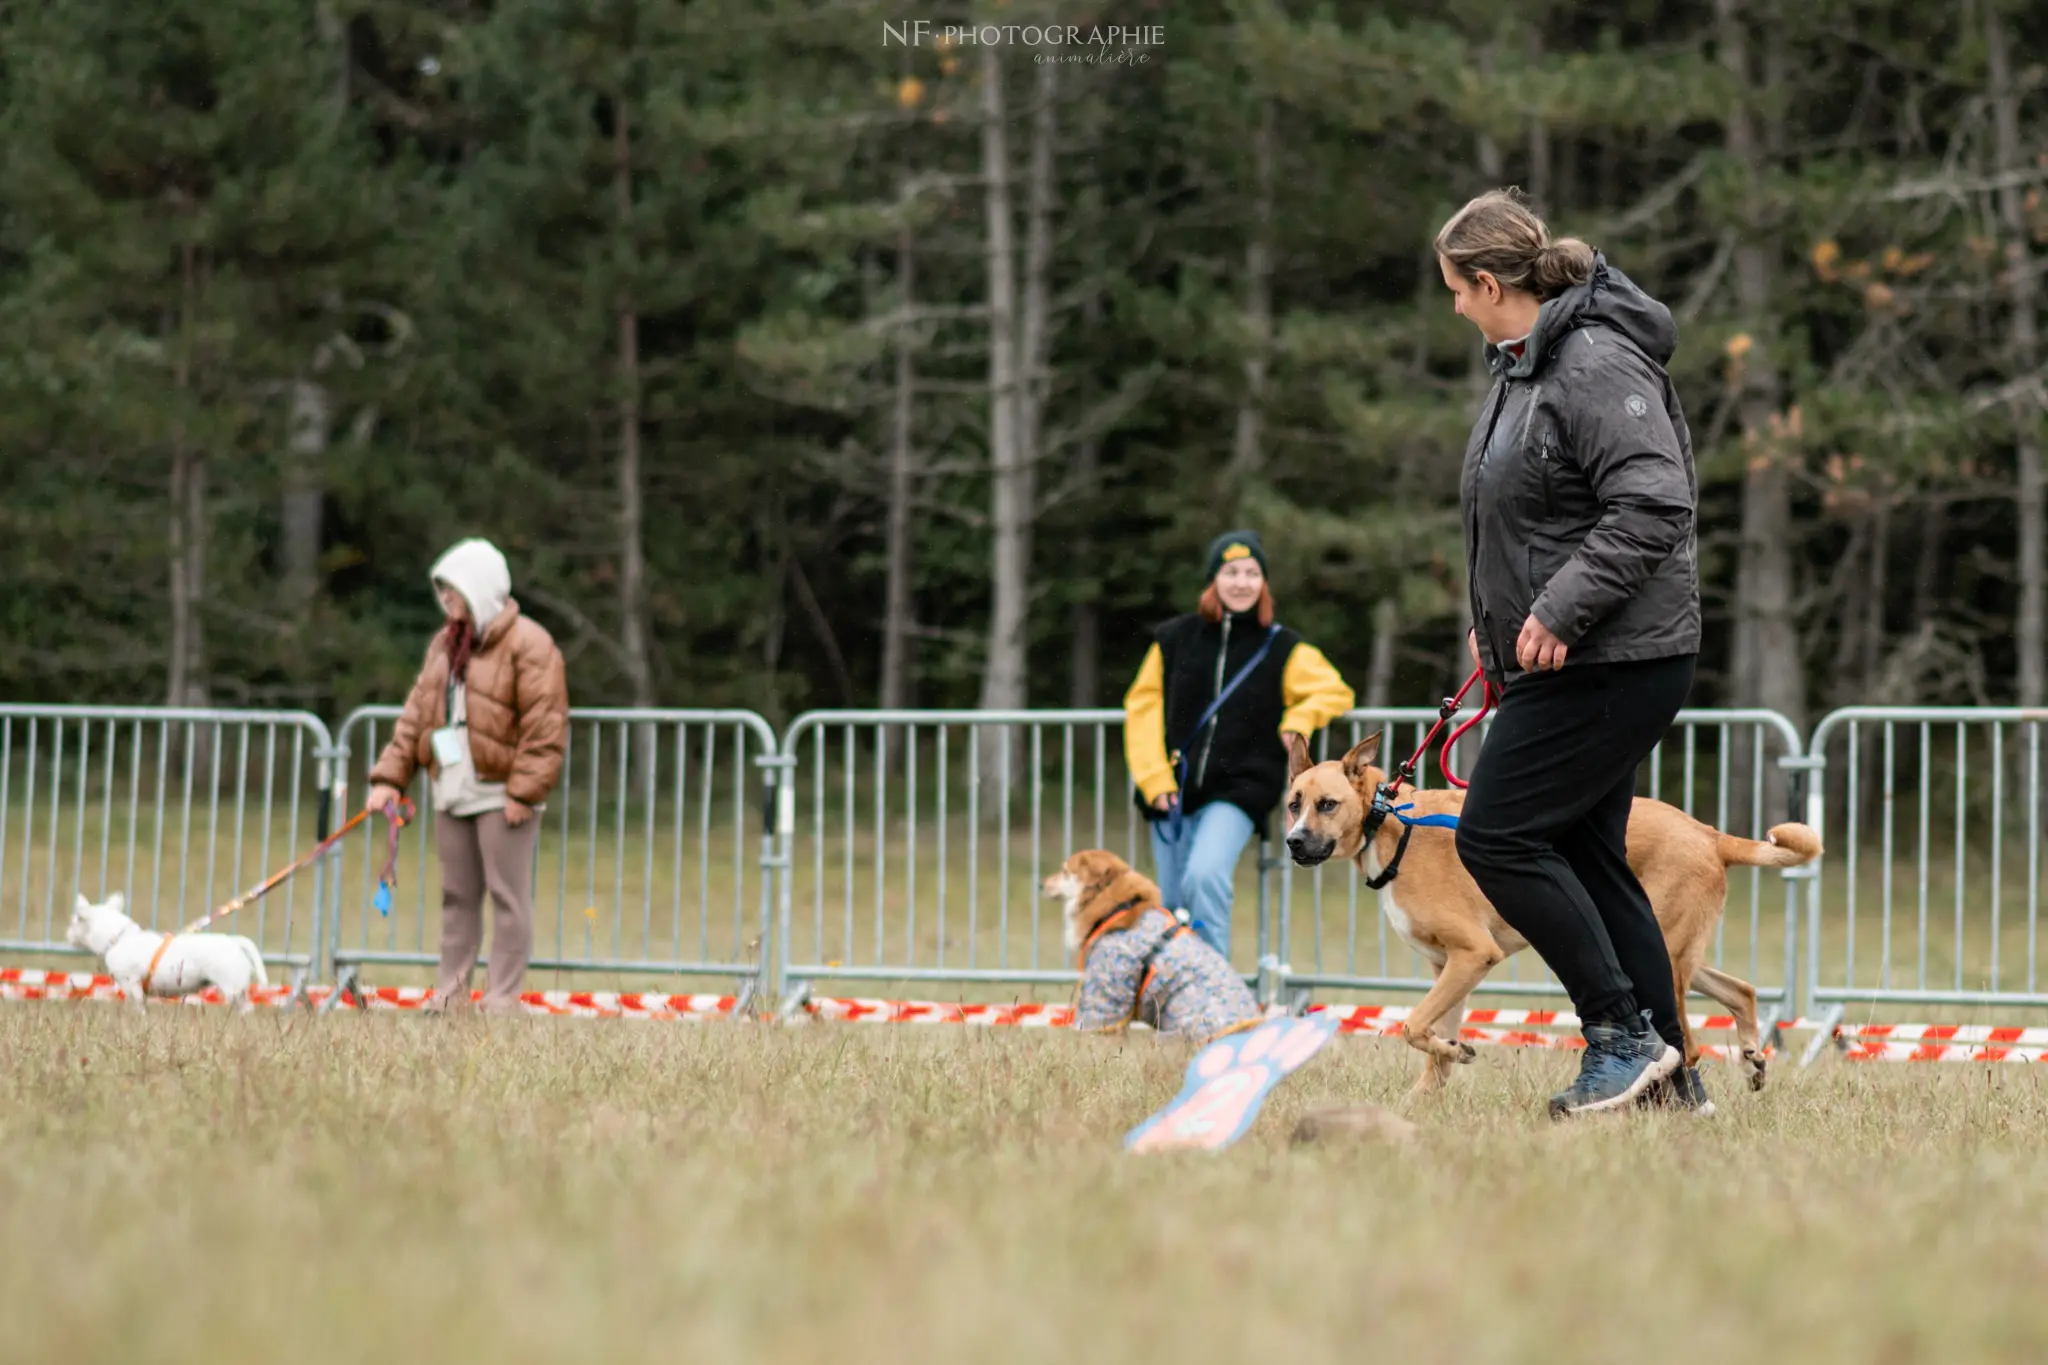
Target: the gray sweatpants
(480, 853)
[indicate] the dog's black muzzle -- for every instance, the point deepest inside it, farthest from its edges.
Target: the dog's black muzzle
(1310, 850)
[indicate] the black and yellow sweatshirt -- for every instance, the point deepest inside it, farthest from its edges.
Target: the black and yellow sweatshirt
(1238, 757)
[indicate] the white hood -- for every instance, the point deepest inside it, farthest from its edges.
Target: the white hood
(478, 571)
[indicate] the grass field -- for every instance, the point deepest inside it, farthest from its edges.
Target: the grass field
(193, 1187)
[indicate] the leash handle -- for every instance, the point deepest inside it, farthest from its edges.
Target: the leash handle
(1450, 706)
(1491, 700)
(398, 815)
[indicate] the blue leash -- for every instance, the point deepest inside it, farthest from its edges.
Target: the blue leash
(1408, 825)
(1426, 821)
(1174, 818)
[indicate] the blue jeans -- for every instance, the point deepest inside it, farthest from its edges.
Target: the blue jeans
(1196, 874)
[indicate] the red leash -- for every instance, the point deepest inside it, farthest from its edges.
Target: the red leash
(1445, 710)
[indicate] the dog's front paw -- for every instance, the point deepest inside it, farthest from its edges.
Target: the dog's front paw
(1466, 1053)
(1756, 1062)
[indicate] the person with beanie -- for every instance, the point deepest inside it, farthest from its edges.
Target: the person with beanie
(1203, 722)
(488, 720)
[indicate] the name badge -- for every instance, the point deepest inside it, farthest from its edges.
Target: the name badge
(451, 745)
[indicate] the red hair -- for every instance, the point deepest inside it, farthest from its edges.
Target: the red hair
(460, 638)
(1212, 605)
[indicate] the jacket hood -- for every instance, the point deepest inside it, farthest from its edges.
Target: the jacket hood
(1608, 298)
(478, 571)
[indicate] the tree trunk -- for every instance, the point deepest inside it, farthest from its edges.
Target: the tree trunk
(1767, 661)
(1248, 454)
(1002, 683)
(1872, 660)
(186, 685)
(775, 613)
(1017, 373)
(310, 421)
(1851, 611)
(2023, 291)
(1927, 563)
(1539, 138)
(1379, 672)
(1085, 653)
(900, 611)
(633, 632)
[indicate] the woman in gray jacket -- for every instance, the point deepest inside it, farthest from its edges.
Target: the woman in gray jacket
(1581, 514)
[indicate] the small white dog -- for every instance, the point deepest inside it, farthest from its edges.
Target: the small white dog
(144, 962)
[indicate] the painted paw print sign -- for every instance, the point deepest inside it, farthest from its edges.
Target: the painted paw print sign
(1228, 1082)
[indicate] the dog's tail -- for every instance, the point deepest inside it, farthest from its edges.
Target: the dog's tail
(255, 956)
(1788, 845)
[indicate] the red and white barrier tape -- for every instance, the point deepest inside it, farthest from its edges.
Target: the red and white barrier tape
(857, 1011)
(1496, 1027)
(27, 983)
(1941, 1052)
(1356, 1018)
(1943, 1033)
(1492, 1027)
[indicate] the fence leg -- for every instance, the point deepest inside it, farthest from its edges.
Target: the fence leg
(793, 1002)
(1824, 1033)
(777, 808)
(344, 989)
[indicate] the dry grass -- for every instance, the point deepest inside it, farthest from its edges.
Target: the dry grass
(195, 1187)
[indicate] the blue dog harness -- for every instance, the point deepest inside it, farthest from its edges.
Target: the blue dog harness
(1382, 807)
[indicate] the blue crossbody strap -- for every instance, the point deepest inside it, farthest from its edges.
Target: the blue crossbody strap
(1180, 769)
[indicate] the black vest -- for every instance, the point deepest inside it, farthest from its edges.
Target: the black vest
(1238, 756)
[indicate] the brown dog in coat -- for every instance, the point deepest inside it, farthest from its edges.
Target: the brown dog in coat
(1436, 907)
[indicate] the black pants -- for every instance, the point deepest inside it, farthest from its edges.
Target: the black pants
(1544, 830)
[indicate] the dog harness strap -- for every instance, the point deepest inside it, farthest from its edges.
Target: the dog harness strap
(1151, 971)
(155, 959)
(1393, 867)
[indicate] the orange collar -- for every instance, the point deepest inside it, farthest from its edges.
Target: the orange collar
(155, 960)
(1123, 917)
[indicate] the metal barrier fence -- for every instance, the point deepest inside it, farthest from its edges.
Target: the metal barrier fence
(178, 810)
(642, 866)
(916, 841)
(926, 835)
(909, 847)
(1740, 771)
(1932, 886)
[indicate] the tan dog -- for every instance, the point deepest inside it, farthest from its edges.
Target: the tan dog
(1436, 907)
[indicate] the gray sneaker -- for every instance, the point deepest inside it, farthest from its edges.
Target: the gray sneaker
(1620, 1062)
(1681, 1090)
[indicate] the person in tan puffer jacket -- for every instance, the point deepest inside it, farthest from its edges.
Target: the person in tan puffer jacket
(488, 720)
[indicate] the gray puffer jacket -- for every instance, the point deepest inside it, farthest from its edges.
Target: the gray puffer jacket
(1580, 500)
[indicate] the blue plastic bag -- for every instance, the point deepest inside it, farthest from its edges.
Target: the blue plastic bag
(382, 900)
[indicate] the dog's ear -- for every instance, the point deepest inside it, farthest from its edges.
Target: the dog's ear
(82, 905)
(1360, 757)
(118, 902)
(1299, 760)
